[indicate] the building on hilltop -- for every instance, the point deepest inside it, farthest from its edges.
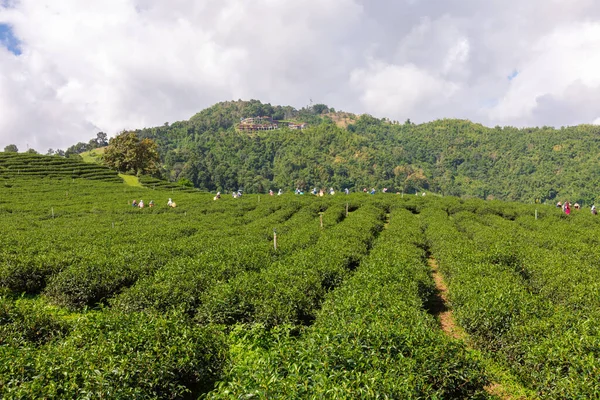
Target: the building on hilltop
(299, 126)
(257, 124)
(254, 124)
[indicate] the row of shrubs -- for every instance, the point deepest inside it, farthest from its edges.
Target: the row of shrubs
(526, 290)
(156, 183)
(373, 337)
(183, 281)
(291, 290)
(104, 354)
(17, 165)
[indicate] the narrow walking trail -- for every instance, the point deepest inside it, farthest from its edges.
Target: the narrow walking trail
(438, 307)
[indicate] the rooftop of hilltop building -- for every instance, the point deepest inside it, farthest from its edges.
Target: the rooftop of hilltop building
(267, 123)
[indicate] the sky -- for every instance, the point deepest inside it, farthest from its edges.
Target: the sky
(70, 68)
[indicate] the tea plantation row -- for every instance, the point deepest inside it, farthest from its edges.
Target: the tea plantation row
(99, 299)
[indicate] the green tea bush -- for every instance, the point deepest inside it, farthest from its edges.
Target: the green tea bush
(25, 323)
(111, 355)
(372, 338)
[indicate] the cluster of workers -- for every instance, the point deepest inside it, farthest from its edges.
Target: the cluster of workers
(141, 204)
(566, 207)
(314, 191)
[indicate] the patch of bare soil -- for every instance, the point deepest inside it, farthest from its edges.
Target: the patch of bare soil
(342, 119)
(438, 306)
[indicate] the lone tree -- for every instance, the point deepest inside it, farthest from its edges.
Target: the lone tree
(127, 153)
(11, 148)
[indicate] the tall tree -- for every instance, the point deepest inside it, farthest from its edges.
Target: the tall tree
(77, 149)
(127, 153)
(102, 139)
(11, 148)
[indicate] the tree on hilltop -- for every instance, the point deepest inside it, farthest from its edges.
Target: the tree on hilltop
(11, 148)
(101, 139)
(76, 149)
(127, 153)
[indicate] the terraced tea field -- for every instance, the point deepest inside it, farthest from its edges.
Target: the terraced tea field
(100, 299)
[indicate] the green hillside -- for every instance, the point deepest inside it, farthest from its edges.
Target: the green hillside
(449, 157)
(352, 299)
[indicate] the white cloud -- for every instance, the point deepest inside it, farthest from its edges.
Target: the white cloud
(108, 65)
(562, 65)
(402, 91)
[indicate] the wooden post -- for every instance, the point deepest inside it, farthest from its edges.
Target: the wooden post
(536, 213)
(321, 218)
(52, 212)
(346, 209)
(113, 224)
(275, 239)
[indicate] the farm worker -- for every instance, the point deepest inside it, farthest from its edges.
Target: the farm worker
(218, 196)
(141, 205)
(134, 203)
(279, 192)
(594, 211)
(372, 190)
(346, 191)
(151, 204)
(384, 190)
(567, 208)
(331, 192)
(239, 193)
(314, 191)
(170, 203)
(576, 205)
(270, 193)
(559, 204)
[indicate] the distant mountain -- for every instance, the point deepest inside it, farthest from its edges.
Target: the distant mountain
(450, 157)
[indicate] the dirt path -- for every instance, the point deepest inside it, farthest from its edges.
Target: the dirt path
(438, 306)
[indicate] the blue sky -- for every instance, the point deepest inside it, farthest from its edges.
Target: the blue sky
(8, 39)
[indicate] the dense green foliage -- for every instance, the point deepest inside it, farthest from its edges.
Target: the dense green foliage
(525, 290)
(450, 157)
(128, 153)
(99, 299)
(372, 337)
(11, 148)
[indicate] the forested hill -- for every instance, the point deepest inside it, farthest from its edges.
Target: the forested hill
(450, 157)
